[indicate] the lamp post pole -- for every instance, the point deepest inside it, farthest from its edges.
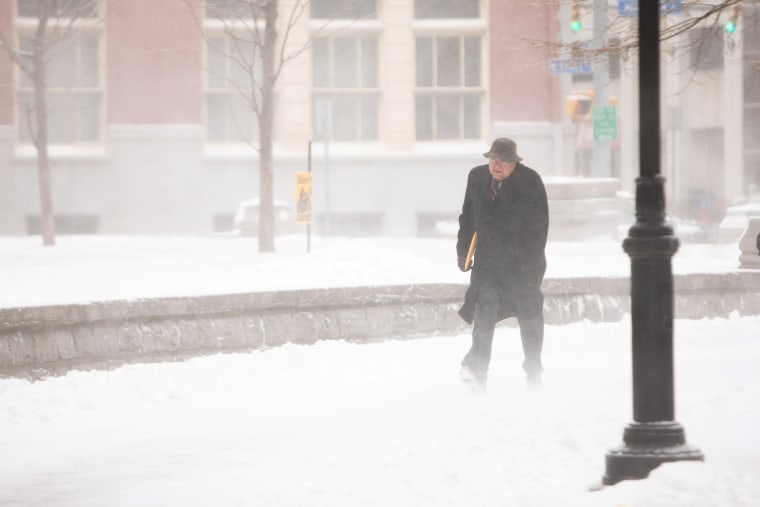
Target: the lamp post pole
(654, 437)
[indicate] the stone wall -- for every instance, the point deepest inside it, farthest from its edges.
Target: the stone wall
(38, 341)
(749, 245)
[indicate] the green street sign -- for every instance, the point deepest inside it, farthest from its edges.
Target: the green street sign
(605, 123)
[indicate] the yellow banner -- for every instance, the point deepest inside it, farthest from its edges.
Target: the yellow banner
(303, 198)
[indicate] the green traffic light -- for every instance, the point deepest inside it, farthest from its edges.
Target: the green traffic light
(730, 26)
(575, 26)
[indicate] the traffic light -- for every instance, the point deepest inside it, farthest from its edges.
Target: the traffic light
(733, 18)
(578, 104)
(575, 17)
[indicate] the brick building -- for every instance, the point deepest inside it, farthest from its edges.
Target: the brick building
(149, 132)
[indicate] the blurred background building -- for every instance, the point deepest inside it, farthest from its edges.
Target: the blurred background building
(149, 132)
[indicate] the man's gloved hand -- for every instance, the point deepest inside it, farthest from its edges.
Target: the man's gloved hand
(468, 259)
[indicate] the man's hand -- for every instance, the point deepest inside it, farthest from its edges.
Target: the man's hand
(466, 264)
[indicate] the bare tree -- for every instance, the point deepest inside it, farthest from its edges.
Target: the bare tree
(256, 49)
(698, 14)
(56, 20)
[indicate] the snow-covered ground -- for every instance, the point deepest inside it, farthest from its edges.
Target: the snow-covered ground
(95, 268)
(382, 424)
(341, 424)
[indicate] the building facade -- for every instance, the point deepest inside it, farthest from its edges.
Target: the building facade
(710, 114)
(152, 128)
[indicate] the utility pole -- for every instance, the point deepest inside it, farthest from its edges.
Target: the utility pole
(601, 166)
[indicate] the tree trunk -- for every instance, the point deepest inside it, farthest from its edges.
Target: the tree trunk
(40, 133)
(266, 191)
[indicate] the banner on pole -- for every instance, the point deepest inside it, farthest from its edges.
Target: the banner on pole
(303, 198)
(604, 120)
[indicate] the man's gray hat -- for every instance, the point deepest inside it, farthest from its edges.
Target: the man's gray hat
(504, 149)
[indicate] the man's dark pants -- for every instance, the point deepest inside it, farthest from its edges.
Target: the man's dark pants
(486, 316)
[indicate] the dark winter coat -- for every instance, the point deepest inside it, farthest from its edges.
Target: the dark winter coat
(512, 234)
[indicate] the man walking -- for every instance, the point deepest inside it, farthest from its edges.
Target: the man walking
(505, 203)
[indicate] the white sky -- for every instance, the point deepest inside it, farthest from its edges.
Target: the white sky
(341, 424)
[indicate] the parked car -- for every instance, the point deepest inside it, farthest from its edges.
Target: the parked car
(247, 217)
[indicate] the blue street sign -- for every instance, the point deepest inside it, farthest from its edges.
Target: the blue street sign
(569, 66)
(670, 6)
(630, 8)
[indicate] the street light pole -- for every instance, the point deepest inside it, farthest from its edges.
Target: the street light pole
(654, 437)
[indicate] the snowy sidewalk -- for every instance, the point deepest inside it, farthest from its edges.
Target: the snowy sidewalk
(81, 269)
(384, 424)
(338, 424)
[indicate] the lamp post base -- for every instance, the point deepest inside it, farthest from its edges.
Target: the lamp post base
(645, 447)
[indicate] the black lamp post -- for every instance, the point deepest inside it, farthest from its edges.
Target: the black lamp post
(654, 437)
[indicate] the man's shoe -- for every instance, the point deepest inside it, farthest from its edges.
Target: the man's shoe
(475, 381)
(534, 382)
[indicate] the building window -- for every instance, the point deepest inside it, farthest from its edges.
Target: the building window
(449, 88)
(345, 93)
(343, 9)
(65, 223)
(345, 88)
(231, 9)
(74, 85)
(706, 48)
(232, 64)
(449, 91)
(432, 9)
(233, 68)
(70, 9)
